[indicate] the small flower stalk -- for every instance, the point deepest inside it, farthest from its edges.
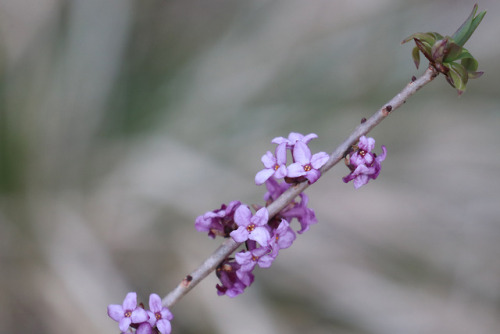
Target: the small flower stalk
(447, 54)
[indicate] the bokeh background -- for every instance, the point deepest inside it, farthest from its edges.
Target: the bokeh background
(121, 121)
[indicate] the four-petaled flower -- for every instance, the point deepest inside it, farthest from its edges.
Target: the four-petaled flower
(305, 164)
(364, 164)
(159, 316)
(251, 227)
(128, 313)
(282, 238)
(248, 259)
(275, 165)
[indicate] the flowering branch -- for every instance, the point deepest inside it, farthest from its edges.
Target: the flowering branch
(268, 231)
(229, 245)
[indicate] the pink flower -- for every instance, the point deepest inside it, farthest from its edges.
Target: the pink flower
(128, 313)
(275, 165)
(283, 237)
(159, 316)
(248, 259)
(251, 227)
(364, 164)
(305, 164)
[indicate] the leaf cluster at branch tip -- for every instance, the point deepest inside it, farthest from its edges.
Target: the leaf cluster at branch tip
(444, 52)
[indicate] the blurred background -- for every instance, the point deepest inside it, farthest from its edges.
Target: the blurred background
(121, 121)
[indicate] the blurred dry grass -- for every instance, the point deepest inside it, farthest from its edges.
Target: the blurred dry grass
(121, 121)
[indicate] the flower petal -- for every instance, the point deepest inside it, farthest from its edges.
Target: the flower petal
(266, 261)
(166, 314)
(307, 138)
(164, 326)
(360, 180)
(319, 159)
(295, 136)
(124, 324)
(152, 318)
(296, 169)
(281, 154)
(139, 315)
(130, 301)
(144, 328)
(279, 140)
(243, 258)
(268, 160)
(281, 172)
(313, 175)
(240, 235)
(116, 312)
(381, 157)
(261, 217)
(242, 215)
(301, 153)
(263, 175)
(155, 303)
(366, 143)
(261, 235)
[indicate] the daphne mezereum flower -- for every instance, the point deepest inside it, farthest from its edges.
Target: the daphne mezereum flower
(248, 259)
(218, 222)
(251, 227)
(364, 164)
(283, 237)
(159, 316)
(275, 165)
(306, 164)
(232, 285)
(294, 137)
(128, 313)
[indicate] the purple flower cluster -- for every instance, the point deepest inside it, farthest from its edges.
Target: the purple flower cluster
(131, 316)
(263, 239)
(262, 235)
(304, 166)
(364, 164)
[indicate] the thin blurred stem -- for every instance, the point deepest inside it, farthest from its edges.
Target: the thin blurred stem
(229, 245)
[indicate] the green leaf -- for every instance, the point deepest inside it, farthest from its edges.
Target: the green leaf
(464, 54)
(425, 49)
(475, 75)
(416, 56)
(464, 32)
(428, 37)
(453, 52)
(470, 64)
(458, 77)
(435, 35)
